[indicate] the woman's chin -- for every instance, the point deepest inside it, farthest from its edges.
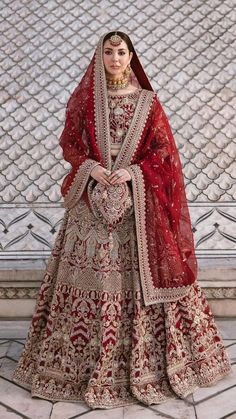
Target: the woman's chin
(114, 74)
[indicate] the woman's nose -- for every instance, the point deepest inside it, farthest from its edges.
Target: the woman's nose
(115, 57)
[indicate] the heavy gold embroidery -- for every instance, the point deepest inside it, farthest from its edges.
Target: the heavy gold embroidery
(121, 111)
(79, 183)
(134, 133)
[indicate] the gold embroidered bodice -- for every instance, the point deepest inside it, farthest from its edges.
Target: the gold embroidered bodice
(121, 111)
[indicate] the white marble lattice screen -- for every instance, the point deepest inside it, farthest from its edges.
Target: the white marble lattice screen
(188, 50)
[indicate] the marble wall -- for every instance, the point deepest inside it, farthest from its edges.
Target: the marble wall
(187, 49)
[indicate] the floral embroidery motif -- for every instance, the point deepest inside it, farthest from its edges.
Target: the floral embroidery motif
(121, 112)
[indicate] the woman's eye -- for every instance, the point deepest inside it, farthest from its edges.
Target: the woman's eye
(110, 52)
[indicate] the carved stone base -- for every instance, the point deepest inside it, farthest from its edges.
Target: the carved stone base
(20, 282)
(218, 280)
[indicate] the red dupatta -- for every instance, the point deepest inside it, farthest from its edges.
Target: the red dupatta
(167, 261)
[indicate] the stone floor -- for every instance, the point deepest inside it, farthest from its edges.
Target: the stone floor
(217, 402)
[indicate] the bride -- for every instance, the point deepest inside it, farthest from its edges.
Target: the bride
(120, 316)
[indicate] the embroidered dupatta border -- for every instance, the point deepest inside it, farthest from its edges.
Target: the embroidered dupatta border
(79, 183)
(151, 295)
(135, 131)
(101, 107)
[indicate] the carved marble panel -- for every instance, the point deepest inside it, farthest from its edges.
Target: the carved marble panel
(31, 231)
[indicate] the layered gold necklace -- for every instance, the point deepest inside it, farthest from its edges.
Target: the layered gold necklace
(117, 84)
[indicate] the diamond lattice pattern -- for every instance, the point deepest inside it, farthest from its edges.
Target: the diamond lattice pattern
(187, 49)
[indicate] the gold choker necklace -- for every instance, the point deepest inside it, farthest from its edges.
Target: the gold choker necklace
(117, 84)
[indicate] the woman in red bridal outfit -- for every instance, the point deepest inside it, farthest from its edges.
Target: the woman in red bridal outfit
(120, 317)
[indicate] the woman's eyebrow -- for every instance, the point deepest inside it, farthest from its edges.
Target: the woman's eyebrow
(119, 49)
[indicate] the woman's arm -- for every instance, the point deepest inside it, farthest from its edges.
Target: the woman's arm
(77, 153)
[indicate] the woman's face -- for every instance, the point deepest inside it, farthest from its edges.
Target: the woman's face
(116, 58)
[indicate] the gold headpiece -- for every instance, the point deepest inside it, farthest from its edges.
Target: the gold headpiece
(115, 40)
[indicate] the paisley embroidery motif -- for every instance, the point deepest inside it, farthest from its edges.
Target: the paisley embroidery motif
(110, 203)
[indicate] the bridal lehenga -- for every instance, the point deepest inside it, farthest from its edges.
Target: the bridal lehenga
(110, 326)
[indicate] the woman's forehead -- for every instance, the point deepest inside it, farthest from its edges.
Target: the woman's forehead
(122, 45)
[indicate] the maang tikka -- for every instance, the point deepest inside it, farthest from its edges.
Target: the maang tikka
(115, 40)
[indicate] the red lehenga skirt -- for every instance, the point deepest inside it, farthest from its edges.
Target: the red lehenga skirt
(92, 339)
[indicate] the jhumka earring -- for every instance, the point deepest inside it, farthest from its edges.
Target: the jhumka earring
(127, 71)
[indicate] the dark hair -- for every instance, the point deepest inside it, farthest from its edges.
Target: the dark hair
(123, 36)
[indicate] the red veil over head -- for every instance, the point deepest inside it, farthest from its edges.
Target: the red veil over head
(167, 260)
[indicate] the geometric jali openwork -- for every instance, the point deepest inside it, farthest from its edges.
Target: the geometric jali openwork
(30, 232)
(187, 48)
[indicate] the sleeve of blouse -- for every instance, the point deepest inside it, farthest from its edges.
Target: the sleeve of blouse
(76, 152)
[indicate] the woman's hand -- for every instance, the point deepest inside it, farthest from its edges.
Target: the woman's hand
(100, 174)
(119, 176)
